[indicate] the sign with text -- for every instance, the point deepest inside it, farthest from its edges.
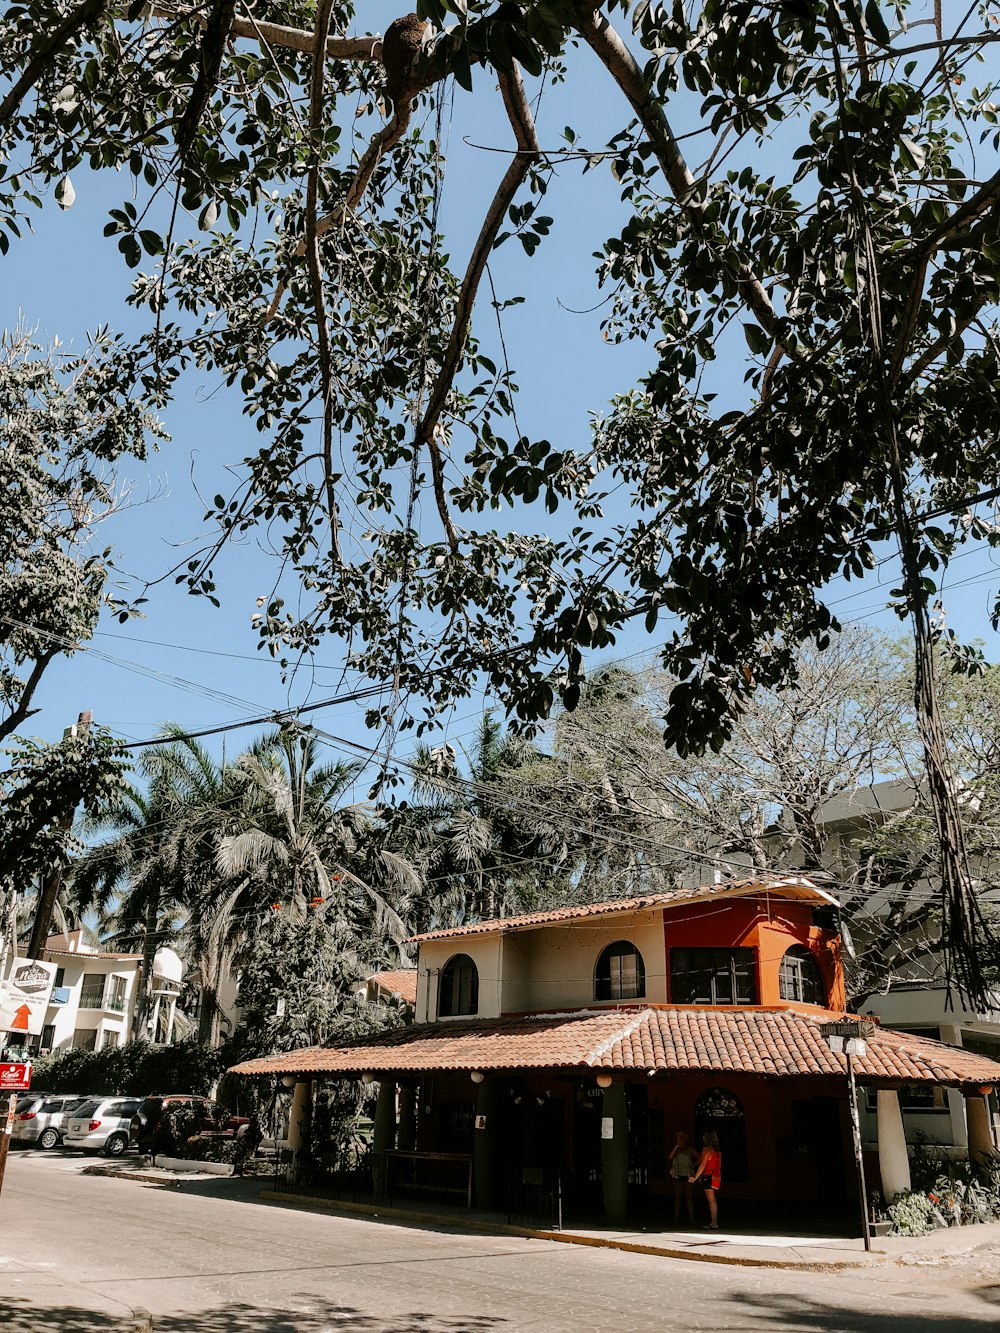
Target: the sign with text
(865, 1030)
(14, 1078)
(24, 997)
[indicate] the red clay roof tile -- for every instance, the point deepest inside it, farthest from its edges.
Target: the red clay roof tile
(661, 1040)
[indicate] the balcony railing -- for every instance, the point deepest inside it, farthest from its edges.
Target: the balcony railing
(112, 1002)
(92, 1001)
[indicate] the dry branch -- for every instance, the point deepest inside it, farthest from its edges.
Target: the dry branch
(276, 34)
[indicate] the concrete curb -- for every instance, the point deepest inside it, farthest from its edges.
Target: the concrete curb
(130, 1175)
(575, 1238)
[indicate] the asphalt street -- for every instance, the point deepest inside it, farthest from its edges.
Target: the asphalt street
(78, 1253)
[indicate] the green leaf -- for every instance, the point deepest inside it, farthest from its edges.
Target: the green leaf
(65, 194)
(876, 23)
(757, 340)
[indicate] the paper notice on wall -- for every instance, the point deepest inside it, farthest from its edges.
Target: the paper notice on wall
(24, 997)
(607, 1127)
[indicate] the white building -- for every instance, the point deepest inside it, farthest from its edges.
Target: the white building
(94, 996)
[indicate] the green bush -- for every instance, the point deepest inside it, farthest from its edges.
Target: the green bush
(912, 1214)
(136, 1068)
(188, 1143)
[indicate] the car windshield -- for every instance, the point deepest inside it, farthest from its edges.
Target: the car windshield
(84, 1109)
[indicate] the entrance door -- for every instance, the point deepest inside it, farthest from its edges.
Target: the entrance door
(720, 1110)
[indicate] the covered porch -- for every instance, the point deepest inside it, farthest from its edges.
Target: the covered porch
(551, 1116)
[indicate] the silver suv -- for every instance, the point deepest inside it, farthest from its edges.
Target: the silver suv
(40, 1118)
(101, 1125)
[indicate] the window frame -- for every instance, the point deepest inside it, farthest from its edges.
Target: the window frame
(799, 967)
(614, 987)
(458, 988)
(732, 964)
(90, 996)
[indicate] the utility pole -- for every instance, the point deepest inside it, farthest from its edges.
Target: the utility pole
(50, 889)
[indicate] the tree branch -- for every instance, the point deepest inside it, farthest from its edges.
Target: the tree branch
(602, 38)
(528, 153)
(276, 34)
(23, 711)
(85, 15)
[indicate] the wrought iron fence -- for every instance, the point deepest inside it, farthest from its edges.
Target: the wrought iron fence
(534, 1197)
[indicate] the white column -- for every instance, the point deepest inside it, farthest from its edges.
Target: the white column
(298, 1116)
(170, 1021)
(894, 1164)
(981, 1143)
(951, 1033)
(156, 1019)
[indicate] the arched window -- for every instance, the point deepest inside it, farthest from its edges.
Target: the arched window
(720, 1110)
(458, 992)
(620, 973)
(800, 977)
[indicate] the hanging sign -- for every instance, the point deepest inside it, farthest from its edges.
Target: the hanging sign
(607, 1127)
(24, 997)
(864, 1029)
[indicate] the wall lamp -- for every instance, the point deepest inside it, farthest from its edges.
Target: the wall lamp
(604, 1080)
(476, 1076)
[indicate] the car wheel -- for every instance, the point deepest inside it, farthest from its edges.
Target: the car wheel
(116, 1145)
(48, 1139)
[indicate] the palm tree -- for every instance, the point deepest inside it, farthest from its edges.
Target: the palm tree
(139, 878)
(482, 850)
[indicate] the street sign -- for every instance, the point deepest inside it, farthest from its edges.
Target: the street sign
(14, 1078)
(863, 1029)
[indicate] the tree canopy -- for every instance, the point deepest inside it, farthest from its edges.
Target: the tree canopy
(809, 193)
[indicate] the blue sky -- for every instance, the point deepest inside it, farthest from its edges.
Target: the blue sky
(196, 664)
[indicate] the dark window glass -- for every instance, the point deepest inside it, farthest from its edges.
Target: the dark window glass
(620, 973)
(713, 976)
(459, 990)
(721, 1111)
(60, 978)
(800, 977)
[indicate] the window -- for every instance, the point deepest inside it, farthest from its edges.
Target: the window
(800, 977)
(85, 1039)
(111, 1038)
(92, 991)
(48, 1036)
(459, 989)
(60, 978)
(713, 976)
(116, 994)
(620, 973)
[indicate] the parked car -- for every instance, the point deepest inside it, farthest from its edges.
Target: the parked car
(149, 1132)
(101, 1125)
(40, 1118)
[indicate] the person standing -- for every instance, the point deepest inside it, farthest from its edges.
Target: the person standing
(709, 1172)
(681, 1166)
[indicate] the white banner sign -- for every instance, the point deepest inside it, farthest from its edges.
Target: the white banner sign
(24, 997)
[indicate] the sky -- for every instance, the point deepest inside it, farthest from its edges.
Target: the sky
(192, 663)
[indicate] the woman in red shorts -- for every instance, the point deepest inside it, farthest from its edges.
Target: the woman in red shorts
(709, 1172)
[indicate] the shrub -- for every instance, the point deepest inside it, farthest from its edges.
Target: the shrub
(137, 1068)
(911, 1214)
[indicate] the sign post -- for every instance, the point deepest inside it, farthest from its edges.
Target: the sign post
(13, 1079)
(849, 1039)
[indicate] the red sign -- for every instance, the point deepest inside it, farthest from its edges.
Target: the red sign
(15, 1078)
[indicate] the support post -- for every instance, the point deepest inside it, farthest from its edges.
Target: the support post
(893, 1161)
(383, 1136)
(298, 1124)
(407, 1136)
(614, 1154)
(977, 1116)
(859, 1161)
(486, 1144)
(6, 1130)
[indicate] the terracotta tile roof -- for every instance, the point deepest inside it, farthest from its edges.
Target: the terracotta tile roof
(84, 954)
(776, 1042)
(789, 886)
(402, 982)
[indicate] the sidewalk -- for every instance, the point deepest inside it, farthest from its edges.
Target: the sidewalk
(763, 1249)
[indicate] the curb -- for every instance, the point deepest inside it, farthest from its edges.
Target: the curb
(573, 1238)
(131, 1175)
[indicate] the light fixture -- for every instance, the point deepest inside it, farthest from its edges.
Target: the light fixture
(985, 1090)
(604, 1080)
(476, 1076)
(367, 1078)
(288, 1081)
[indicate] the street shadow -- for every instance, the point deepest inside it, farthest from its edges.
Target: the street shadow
(783, 1310)
(321, 1316)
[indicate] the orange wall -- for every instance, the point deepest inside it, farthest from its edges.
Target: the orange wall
(770, 926)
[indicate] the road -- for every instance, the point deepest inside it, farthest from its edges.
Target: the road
(78, 1252)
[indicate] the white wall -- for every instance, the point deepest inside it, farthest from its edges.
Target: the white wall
(550, 967)
(67, 1018)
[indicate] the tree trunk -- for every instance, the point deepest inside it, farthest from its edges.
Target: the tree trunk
(139, 1030)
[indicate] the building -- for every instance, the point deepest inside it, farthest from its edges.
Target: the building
(580, 1040)
(94, 996)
